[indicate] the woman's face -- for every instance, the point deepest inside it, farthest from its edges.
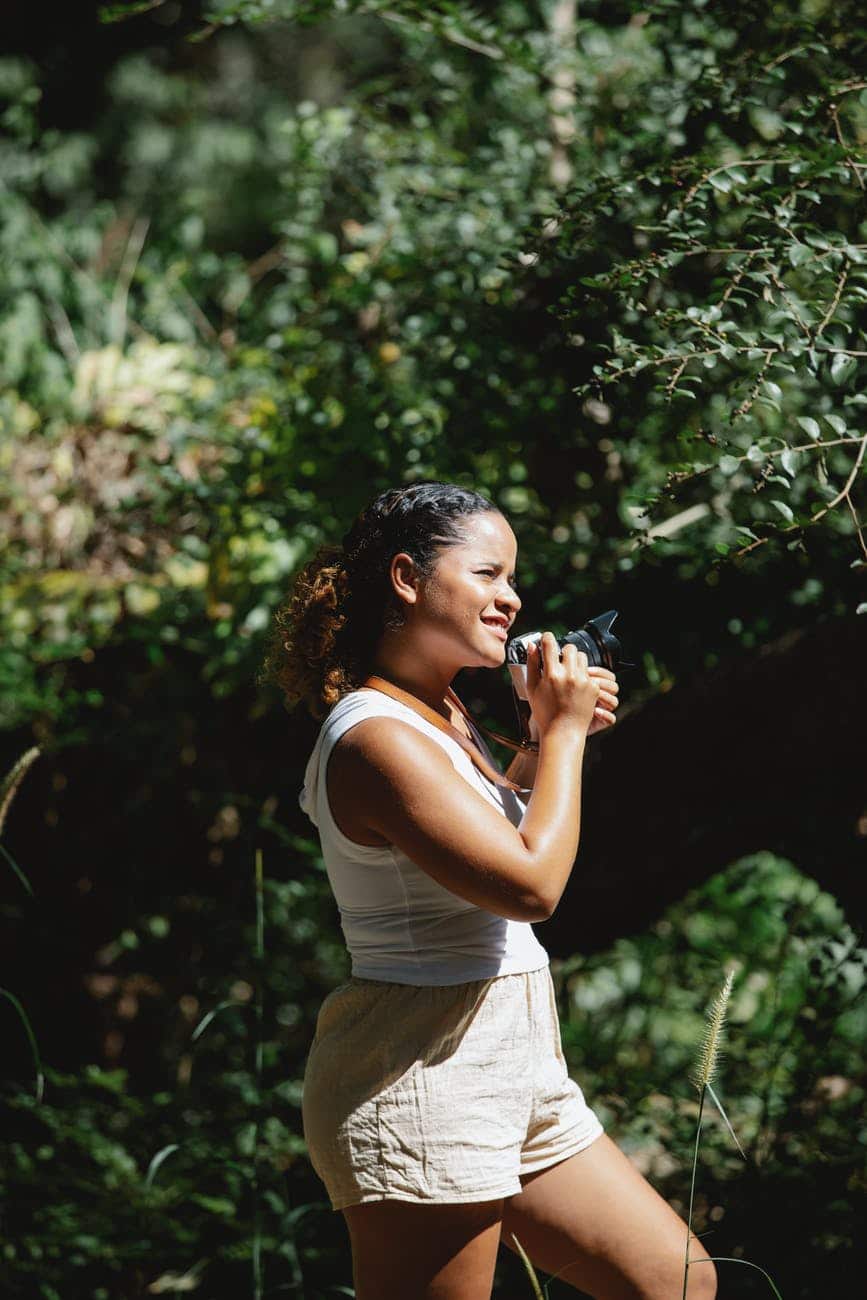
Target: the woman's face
(468, 604)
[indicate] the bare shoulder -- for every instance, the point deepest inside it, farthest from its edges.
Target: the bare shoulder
(379, 763)
(391, 784)
(386, 750)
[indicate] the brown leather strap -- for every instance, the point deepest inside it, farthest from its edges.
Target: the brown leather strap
(494, 735)
(437, 720)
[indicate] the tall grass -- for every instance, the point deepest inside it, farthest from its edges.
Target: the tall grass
(703, 1074)
(704, 1071)
(260, 1047)
(8, 789)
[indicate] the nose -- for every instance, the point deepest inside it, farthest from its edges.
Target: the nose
(510, 598)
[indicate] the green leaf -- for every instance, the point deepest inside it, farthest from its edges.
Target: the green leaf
(729, 464)
(837, 423)
(798, 253)
(733, 1259)
(15, 867)
(158, 1160)
(34, 1046)
(719, 1107)
(789, 461)
(220, 1205)
(206, 1020)
(842, 367)
(785, 510)
(810, 427)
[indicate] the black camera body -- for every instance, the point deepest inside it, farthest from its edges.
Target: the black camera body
(595, 638)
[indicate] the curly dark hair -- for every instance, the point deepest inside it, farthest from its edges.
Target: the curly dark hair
(325, 633)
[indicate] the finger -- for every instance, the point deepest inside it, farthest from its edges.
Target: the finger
(570, 651)
(605, 716)
(549, 651)
(575, 661)
(606, 675)
(608, 701)
(534, 665)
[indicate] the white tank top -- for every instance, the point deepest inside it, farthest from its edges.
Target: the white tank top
(400, 925)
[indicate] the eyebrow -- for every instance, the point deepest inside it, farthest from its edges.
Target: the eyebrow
(495, 564)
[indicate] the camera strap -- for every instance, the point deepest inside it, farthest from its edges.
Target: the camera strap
(437, 720)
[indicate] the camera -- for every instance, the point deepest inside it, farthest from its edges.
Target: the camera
(595, 638)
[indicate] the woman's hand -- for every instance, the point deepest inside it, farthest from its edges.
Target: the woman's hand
(606, 704)
(565, 693)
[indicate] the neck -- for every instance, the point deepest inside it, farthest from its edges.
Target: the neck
(426, 681)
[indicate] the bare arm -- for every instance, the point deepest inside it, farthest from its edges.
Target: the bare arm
(404, 787)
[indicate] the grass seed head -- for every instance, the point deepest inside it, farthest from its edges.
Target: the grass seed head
(13, 779)
(711, 1044)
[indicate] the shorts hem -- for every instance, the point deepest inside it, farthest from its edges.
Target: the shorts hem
(477, 1195)
(556, 1157)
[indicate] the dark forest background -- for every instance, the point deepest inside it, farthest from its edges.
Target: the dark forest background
(260, 260)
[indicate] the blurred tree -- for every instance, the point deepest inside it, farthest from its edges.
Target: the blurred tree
(217, 298)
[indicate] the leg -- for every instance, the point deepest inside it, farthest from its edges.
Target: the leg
(596, 1222)
(424, 1252)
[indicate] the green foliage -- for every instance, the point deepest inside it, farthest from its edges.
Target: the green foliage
(791, 1077)
(111, 1192)
(168, 448)
(222, 296)
(728, 270)
(613, 277)
(118, 1218)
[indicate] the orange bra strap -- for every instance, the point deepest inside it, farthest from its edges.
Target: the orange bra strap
(430, 715)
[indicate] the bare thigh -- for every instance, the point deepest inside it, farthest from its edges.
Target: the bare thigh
(424, 1252)
(596, 1222)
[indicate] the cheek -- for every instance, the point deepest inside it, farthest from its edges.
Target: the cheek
(454, 600)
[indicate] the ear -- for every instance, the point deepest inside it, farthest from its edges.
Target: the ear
(404, 578)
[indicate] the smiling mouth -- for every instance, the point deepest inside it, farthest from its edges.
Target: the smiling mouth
(500, 629)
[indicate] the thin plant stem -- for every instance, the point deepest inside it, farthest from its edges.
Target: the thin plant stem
(709, 1054)
(727, 1259)
(692, 1190)
(15, 867)
(531, 1272)
(260, 963)
(34, 1046)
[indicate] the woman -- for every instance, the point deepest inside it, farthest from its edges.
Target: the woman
(437, 1106)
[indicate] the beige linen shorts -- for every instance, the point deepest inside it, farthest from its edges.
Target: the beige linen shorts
(440, 1094)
